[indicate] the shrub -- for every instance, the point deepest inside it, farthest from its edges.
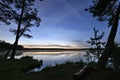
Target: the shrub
(96, 46)
(115, 57)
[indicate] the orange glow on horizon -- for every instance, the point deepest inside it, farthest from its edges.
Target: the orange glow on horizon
(53, 46)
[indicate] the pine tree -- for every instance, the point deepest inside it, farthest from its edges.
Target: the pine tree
(107, 10)
(96, 46)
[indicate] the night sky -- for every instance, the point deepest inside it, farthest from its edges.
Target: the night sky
(64, 22)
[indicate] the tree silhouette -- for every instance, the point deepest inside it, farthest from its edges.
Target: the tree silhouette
(25, 17)
(6, 12)
(107, 10)
(97, 46)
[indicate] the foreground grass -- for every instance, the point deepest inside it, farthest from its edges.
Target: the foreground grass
(16, 69)
(59, 72)
(66, 71)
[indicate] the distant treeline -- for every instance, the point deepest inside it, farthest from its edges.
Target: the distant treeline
(5, 45)
(56, 49)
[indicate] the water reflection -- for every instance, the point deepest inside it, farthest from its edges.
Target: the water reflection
(53, 58)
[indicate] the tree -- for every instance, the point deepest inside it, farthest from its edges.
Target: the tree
(6, 12)
(97, 46)
(25, 17)
(107, 10)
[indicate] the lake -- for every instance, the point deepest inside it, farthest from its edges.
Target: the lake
(53, 57)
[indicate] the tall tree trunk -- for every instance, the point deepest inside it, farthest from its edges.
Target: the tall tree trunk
(7, 53)
(14, 49)
(18, 32)
(13, 46)
(110, 42)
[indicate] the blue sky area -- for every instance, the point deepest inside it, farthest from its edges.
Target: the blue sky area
(64, 22)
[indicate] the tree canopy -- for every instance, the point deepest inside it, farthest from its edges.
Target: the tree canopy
(6, 12)
(104, 10)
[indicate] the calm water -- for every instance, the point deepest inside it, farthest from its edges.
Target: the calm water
(56, 57)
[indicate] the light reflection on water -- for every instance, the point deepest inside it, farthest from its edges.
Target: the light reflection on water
(53, 58)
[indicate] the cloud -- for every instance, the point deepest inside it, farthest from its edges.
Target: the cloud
(80, 43)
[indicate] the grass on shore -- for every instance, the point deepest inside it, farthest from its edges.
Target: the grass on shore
(16, 69)
(59, 72)
(66, 71)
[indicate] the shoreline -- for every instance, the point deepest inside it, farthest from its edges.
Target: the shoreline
(48, 51)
